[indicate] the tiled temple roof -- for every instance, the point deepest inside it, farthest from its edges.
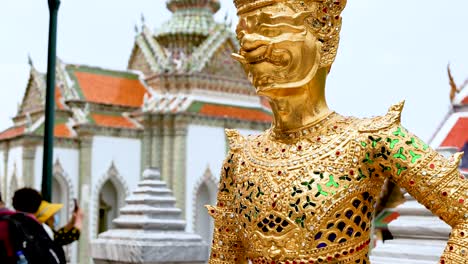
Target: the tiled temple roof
(458, 135)
(112, 120)
(108, 87)
(12, 132)
(230, 112)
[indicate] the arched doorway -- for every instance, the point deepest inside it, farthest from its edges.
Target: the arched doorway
(108, 206)
(203, 223)
(60, 195)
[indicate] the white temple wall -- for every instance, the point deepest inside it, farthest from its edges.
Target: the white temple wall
(206, 147)
(70, 161)
(125, 155)
(14, 167)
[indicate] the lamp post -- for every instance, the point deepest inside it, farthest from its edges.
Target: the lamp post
(47, 161)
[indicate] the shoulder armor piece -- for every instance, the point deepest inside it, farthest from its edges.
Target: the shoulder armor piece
(392, 117)
(235, 139)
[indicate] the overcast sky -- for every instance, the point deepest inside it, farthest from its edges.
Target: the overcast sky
(390, 50)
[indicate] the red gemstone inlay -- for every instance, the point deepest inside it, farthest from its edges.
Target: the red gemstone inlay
(411, 182)
(432, 166)
(335, 127)
(329, 258)
(351, 172)
(462, 233)
(283, 150)
(444, 193)
(338, 153)
(318, 139)
(279, 172)
(337, 255)
(325, 10)
(351, 251)
(299, 147)
(267, 149)
(461, 201)
(273, 204)
(451, 248)
(442, 261)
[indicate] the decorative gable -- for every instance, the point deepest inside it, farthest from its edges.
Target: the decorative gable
(221, 64)
(33, 99)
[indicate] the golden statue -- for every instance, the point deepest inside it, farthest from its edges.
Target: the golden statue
(304, 191)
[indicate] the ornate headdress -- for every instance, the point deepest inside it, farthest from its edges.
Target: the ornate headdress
(325, 22)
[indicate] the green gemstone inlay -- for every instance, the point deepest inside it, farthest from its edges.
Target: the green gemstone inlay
(321, 191)
(332, 182)
(300, 220)
(374, 141)
(361, 175)
(399, 132)
(413, 143)
(308, 184)
(364, 144)
(414, 156)
(400, 169)
(384, 168)
(392, 142)
(425, 146)
(368, 159)
(400, 154)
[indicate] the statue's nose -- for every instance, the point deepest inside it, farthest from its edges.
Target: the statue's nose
(251, 42)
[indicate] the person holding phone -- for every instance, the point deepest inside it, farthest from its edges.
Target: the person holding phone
(46, 213)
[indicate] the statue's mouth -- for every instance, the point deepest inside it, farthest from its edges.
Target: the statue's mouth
(269, 54)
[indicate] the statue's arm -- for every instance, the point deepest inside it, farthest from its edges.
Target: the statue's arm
(226, 246)
(430, 178)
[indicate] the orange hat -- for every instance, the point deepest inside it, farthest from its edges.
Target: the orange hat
(47, 210)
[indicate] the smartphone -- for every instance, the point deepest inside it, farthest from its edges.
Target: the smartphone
(76, 205)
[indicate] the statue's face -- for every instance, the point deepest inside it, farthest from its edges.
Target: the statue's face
(277, 50)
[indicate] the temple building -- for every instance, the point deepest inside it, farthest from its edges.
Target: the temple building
(168, 110)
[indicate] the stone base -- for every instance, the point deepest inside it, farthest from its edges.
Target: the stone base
(150, 230)
(122, 246)
(419, 237)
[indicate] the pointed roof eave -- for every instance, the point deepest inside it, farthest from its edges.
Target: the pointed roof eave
(39, 79)
(207, 49)
(462, 97)
(65, 82)
(152, 51)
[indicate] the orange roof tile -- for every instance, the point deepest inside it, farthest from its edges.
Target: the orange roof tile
(112, 121)
(458, 136)
(108, 89)
(235, 112)
(61, 130)
(12, 132)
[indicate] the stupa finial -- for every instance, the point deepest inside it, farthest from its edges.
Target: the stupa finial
(175, 5)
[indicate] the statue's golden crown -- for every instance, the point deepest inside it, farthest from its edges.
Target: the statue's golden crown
(324, 22)
(303, 5)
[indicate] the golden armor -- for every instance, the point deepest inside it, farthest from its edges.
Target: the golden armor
(304, 191)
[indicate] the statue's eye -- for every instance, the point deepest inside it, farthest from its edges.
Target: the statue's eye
(271, 32)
